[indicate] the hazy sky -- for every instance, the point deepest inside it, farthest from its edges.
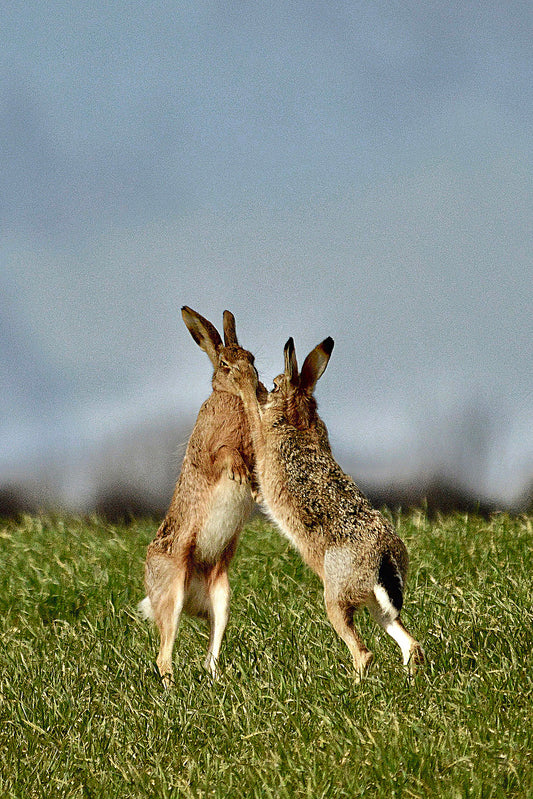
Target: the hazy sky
(348, 169)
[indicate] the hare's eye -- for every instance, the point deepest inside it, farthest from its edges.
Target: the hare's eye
(224, 364)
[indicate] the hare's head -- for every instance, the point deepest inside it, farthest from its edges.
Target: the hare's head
(223, 355)
(293, 390)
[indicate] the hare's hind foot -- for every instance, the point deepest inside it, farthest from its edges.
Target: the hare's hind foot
(416, 658)
(167, 679)
(412, 652)
(362, 664)
(211, 665)
(164, 667)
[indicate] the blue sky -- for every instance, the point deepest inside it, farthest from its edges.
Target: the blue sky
(350, 169)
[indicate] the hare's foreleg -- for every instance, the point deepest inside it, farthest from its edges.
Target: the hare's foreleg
(218, 597)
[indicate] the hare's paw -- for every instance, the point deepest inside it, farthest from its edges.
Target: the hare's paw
(165, 674)
(362, 665)
(211, 665)
(416, 658)
(230, 461)
(167, 681)
(238, 471)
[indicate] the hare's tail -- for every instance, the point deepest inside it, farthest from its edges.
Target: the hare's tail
(389, 587)
(144, 609)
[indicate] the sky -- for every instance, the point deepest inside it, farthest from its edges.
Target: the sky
(347, 169)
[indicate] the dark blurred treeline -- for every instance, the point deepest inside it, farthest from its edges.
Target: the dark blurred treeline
(122, 503)
(131, 474)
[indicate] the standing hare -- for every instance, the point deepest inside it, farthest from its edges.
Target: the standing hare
(187, 562)
(349, 544)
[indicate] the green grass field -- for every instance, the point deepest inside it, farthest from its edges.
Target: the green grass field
(82, 713)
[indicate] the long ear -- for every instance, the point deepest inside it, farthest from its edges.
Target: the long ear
(230, 334)
(291, 364)
(203, 332)
(315, 364)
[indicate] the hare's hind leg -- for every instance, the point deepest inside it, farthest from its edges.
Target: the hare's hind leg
(342, 603)
(218, 596)
(386, 615)
(341, 618)
(413, 654)
(165, 582)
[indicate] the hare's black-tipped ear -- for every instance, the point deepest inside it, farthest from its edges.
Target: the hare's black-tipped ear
(230, 333)
(315, 364)
(203, 332)
(291, 364)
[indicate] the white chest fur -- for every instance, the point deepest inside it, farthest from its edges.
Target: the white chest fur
(230, 506)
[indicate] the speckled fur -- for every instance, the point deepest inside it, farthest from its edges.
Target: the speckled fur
(187, 562)
(348, 543)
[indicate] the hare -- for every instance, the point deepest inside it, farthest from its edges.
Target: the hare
(187, 562)
(350, 545)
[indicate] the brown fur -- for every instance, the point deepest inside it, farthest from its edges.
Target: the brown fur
(188, 560)
(349, 544)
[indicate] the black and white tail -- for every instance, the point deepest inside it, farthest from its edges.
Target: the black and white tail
(389, 587)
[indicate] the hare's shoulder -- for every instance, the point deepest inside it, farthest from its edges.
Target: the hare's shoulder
(220, 403)
(220, 414)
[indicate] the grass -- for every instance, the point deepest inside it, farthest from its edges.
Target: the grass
(82, 713)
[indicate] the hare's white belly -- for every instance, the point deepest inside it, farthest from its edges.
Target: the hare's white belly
(230, 506)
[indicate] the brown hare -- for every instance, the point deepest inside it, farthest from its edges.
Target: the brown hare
(187, 562)
(350, 545)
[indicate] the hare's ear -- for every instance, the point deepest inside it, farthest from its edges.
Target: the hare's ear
(315, 364)
(291, 364)
(203, 332)
(230, 333)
